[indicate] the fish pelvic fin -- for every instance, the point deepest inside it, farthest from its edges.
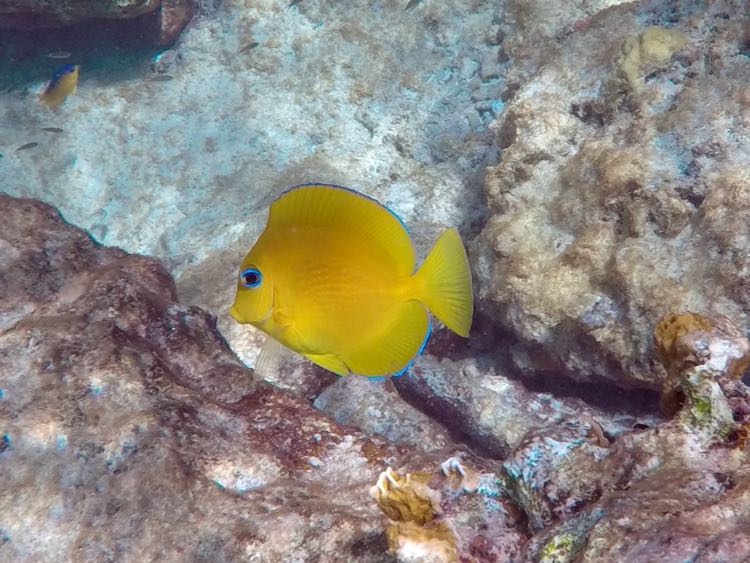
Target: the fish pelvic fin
(272, 356)
(444, 283)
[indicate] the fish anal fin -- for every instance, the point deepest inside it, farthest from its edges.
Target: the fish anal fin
(391, 350)
(330, 362)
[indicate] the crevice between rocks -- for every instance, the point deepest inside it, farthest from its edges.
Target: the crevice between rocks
(491, 346)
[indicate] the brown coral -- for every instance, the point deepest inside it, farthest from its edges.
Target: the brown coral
(408, 502)
(688, 340)
(404, 498)
(649, 50)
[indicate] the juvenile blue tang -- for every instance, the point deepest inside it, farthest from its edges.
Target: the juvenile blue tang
(62, 84)
(333, 278)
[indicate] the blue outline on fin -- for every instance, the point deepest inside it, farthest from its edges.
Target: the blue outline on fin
(403, 370)
(355, 192)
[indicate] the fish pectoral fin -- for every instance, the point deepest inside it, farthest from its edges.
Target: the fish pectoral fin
(331, 362)
(272, 356)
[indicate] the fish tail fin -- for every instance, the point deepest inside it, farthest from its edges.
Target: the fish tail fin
(444, 282)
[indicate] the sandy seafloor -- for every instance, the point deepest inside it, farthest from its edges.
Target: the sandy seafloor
(391, 102)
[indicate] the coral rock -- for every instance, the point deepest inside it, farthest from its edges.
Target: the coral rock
(36, 13)
(169, 17)
(173, 17)
(688, 339)
(704, 358)
(608, 213)
(123, 411)
(649, 50)
(457, 513)
(377, 408)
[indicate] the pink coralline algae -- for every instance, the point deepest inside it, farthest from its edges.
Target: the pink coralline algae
(130, 431)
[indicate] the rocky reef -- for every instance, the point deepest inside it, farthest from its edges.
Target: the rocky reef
(163, 19)
(598, 411)
(130, 430)
(677, 491)
(622, 192)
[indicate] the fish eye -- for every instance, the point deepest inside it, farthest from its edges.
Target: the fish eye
(251, 277)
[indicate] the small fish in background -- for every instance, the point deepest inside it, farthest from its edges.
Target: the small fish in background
(58, 55)
(27, 146)
(412, 4)
(161, 77)
(294, 3)
(249, 47)
(333, 278)
(62, 85)
(52, 129)
(166, 61)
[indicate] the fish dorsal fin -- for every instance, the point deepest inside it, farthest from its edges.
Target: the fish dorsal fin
(323, 205)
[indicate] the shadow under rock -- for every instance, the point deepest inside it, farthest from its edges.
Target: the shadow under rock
(106, 50)
(491, 347)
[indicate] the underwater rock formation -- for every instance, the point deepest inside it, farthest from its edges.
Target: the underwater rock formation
(705, 359)
(495, 414)
(622, 193)
(676, 492)
(128, 427)
(130, 431)
(36, 13)
(168, 16)
(375, 407)
(456, 512)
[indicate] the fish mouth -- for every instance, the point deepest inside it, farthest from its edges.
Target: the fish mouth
(237, 316)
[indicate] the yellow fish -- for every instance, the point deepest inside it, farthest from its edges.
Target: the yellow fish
(333, 277)
(62, 84)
